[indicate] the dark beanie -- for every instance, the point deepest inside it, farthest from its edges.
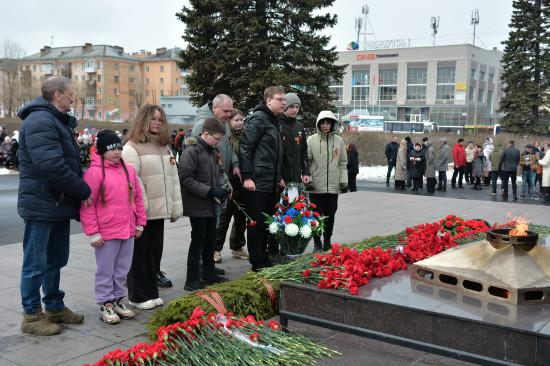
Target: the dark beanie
(424, 139)
(107, 140)
(460, 140)
(408, 139)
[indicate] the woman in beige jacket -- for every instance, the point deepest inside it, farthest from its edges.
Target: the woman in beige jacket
(401, 166)
(148, 152)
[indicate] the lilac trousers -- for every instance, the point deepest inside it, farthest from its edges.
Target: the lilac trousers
(113, 261)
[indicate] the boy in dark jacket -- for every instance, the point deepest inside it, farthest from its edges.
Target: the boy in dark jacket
(202, 181)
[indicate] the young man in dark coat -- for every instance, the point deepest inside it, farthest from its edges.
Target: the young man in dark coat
(51, 189)
(391, 155)
(508, 166)
(261, 159)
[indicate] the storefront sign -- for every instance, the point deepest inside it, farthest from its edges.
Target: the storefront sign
(461, 86)
(372, 56)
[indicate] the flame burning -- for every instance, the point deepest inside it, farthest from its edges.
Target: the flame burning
(522, 225)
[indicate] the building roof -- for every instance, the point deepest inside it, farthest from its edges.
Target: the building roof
(164, 54)
(88, 51)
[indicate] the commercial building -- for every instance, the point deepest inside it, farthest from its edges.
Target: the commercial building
(454, 85)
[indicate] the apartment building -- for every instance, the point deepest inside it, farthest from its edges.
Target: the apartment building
(161, 75)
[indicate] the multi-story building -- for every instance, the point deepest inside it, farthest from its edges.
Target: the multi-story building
(451, 85)
(105, 79)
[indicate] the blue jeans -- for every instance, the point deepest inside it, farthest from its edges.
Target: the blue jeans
(494, 179)
(528, 178)
(45, 252)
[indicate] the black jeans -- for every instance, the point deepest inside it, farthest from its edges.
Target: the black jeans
(469, 172)
(203, 241)
(352, 182)
(505, 175)
(142, 279)
(391, 166)
(257, 204)
(327, 204)
(442, 179)
(458, 170)
(430, 185)
(494, 179)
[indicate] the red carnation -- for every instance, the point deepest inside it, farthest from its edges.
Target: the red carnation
(253, 223)
(312, 204)
(457, 218)
(306, 273)
(354, 290)
(460, 229)
(450, 217)
(449, 223)
(298, 206)
(288, 219)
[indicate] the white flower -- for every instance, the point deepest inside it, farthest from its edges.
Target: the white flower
(399, 249)
(274, 227)
(291, 229)
(305, 231)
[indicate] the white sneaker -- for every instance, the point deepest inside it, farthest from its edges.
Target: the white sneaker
(241, 253)
(107, 313)
(217, 257)
(158, 302)
(146, 305)
(122, 311)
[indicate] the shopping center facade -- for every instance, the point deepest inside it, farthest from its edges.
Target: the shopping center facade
(453, 85)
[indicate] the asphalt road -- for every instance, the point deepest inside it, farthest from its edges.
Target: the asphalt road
(12, 226)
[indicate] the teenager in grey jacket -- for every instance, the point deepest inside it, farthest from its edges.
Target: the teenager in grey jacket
(442, 164)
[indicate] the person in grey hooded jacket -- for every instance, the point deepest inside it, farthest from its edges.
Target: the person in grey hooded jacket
(220, 107)
(442, 164)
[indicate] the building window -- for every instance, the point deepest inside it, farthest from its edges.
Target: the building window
(481, 95)
(99, 116)
(98, 77)
(75, 91)
(83, 65)
(417, 80)
(132, 80)
(34, 67)
(161, 68)
(91, 77)
(472, 95)
(98, 90)
(162, 93)
(146, 68)
(132, 104)
(482, 76)
(116, 78)
(76, 78)
(99, 102)
(116, 66)
(473, 73)
(336, 86)
(132, 115)
(490, 101)
(177, 80)
(131, 92)
(117, 103)
(177, 93)
(116, 91)
(146, 80)
(75, 66)
(445, 89)
(147, 93)
(83, 78)
(162, 80)
(360, 85)
(99, 65)
(491, 78)
(132, 68)
(388, 84)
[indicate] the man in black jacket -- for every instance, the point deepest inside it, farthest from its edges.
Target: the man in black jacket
(508, 165)
(261, 159)
(391, 155)
(50, 191)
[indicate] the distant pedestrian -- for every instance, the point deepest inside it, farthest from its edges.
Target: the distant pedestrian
(6, 151)
(118, 192)
(410, 147)
(508, 165)
(494, 158)
(416, 157)
(470, 151)
(401, 166)
(545, 163)
(391, 156)
(478, 166)
(487, 150)
(353, 167)
(442, 164)
(430, 160)
(528, 165)
(459, 158)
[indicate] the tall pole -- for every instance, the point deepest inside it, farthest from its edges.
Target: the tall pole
(474, 22)
(434, 22)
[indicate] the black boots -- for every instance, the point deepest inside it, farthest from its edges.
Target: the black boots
(326, 244)
(317, 245)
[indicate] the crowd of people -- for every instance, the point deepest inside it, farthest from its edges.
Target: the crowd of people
(227, 166)
(475, 165)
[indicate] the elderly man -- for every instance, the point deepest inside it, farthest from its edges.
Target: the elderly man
(50, 190)
(261, 156)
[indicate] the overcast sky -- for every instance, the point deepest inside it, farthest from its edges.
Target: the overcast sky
(146, 25)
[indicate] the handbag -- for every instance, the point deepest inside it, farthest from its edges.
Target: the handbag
(539, 169)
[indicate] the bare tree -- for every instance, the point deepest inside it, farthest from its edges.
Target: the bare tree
(11, 52)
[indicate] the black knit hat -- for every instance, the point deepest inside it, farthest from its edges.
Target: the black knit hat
(107, 140)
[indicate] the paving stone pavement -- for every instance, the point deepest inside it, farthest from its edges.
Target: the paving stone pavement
(360, 215)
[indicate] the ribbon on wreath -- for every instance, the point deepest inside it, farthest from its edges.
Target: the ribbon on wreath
(271, 292)
(216, 301)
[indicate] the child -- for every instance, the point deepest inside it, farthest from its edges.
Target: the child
(110, 223)
(201, 179)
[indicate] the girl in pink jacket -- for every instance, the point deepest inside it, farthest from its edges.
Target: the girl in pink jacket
(115, 217)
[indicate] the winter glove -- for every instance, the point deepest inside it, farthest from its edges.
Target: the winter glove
(310, 186)
(343, 187)
(219, 192)
(235, 181)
